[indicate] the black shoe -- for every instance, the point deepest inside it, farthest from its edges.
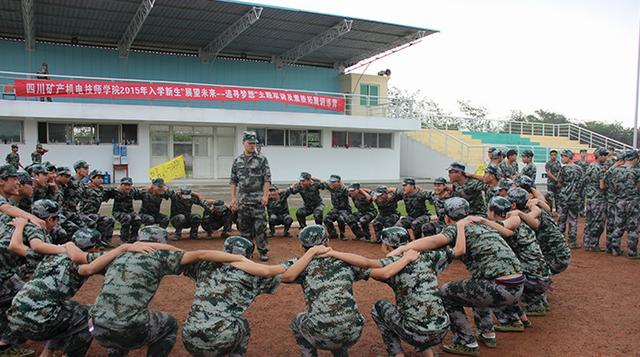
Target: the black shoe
(264, 257)
(286, 234)
(271, 233)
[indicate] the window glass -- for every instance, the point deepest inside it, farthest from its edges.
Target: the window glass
(338, 139)
(275, 137)
(370, 140)
(10, 131)
(108, 133)
(314, 138)
(59, 133)
(84, 134)
(201, 146)
(355, 139)
(385, 140)
(373, 95)
(297, 138)
(130, 134)
(159, 140)
(364, 92)
(182, 134)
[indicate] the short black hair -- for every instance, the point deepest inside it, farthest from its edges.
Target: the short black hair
(512, 152)
(552, 151)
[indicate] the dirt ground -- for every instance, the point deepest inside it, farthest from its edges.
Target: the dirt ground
(595, 308)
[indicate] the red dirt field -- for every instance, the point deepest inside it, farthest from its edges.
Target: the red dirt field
(595, 308)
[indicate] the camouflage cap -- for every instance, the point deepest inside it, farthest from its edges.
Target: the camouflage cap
(518, 196)
(500, 205)
(185, 192)
(158, 181)
(95, 173)
(496, 153)
(36, 169)
(44, 209)
(380, 190)
(440, 181)
(126, 181)
(305, 176)
(313, 235)
(7, 171)
(456, 166)
(39, 146)
(86, 238)
(49, 166)
(153, 234)
(273, 188)
(335, 178)
(217, 203)
(583, 151)
(24, 178)
(239, 245)
(567, 152)
(600, 152)
(409, 181)
(525, 182)
(354, 186)
(619, 154)
(456, 208)
(14, 146)
(80, 164)
(527, 153)
(394, 236)
(493, 169)
(492, 149)
(250, 136)
(63, 170)
(505, 184)
(631, 154)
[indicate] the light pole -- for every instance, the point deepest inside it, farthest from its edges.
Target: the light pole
(635, 117)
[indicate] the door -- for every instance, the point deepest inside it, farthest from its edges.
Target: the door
(159, 135)
(202, 147)
(183, 145)
(225, 151)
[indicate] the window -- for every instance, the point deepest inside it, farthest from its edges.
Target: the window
(314, 138)
(42, 133)
(130, 134)
(297, 137)
(60, 133)
(339, 139)
(275, 137)
(369, 94)
(84, 134)
(261, 133)
(284, 137)
(159, 140)
(354, 138)
(385, 140)
(370, 140)
(10, 131)
(109, 133)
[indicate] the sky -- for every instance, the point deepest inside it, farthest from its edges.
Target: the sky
(573, 57)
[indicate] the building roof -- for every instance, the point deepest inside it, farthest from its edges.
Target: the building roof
(187, 27)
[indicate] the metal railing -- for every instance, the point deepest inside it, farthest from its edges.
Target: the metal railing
(355, 104)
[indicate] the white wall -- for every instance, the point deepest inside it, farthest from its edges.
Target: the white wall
(419, 161)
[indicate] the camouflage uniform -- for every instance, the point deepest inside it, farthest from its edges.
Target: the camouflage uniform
(340, 212)
(123, 212)
(43, 309)
(419, 316)
(333, 321)
(250, 173)
(530, 170)
(278, 211)
(36, 157)
(612, 198)
(552, 185)
(417, 214)
(312, 202)
(626, 181)
(435, 227)
(216, 216)
(596, 206)
(150, 209)
(488, 257)
(552, 244)
(215, 325)
(570, 200)
(71, 197)
(360, 219)
(388, 213)
(92, 198)
(181, 216)
(120, 315)
(509, 170)
(472, 190)
(13, 160)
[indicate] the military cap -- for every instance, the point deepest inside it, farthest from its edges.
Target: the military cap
(512, 152)
(305, 176)
(619, 154)
(457, 166)
(14, 146)
(394, 236)
(527, 153)
(7, 171)
(505, 184)
(185, 192)
(518, 196)
(380, 190)
(456, 208)
(335, 178)
(492, 149)
(44, 209)
(250, 136)
(49, 166)
(153, 234)
(354, 186)
(409, 181)
(86, 238)
(493, 169)
(79, 164)
(95, 173)
(126, 181)
(600, 152)
(583, 151)
(631, 154)
(567, 152)
(500, 205)
(238, 245)
(158, 181)
(496, 153)
(217, 203)
(525, 182)
(24, 178)
(313, 235)
(440, 181)
(36, 169)
(63, 170)
(273, 188)
(39, 146)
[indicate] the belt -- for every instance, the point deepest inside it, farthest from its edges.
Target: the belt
(518, 280)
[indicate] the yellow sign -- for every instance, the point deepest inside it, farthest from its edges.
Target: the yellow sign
(169, 170)
(480, 169)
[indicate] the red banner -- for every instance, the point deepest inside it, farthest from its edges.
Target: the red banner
(132, 90)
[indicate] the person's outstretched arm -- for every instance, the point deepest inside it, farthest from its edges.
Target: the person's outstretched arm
(261, 270)
(354, 259)
(425, 243)
(299, 266)
(214, 256)
(394, 268)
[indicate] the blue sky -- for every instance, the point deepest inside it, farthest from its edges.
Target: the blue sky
(574, 57)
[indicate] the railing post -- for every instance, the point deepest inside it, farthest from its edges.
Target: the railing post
(509, 126)
(591, 140)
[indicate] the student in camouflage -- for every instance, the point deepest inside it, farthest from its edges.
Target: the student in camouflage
(552, 168)
(332, 321)
(340, 210)
(251, 175)
(418, 316)
(365, 212)
(491, 180)
(415, 202)
(509, 167)
(181, 215)
(437, 197)
(387, 202)
(81, 169)
(215, 325)
(42, 187)
(123, 211)
(121, 317)
(68, 224)
(278, 211)
(13, 158)
(309, 190)
(626, 181)
(595, 193)
(529, 168)
(570, 179)
(216, 215)
(93, 194)
(496, 275)
(36, 156)
(151, 201)
(612, 197)
(584, 164)
(496, 156)
(24, 198)
(468, 188)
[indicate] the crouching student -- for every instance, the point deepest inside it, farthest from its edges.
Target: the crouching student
(418, 317)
